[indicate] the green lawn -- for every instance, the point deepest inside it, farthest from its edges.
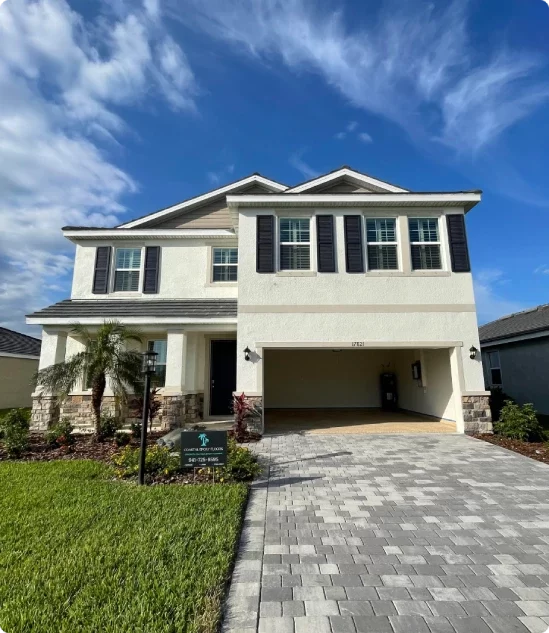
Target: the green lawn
(81, 553)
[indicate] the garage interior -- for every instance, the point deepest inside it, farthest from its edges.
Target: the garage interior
(340, 390)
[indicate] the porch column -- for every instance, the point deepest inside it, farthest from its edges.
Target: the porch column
(45, 406)
(457, 387)
(176, 353)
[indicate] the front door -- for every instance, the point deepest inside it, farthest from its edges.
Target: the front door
(222, 376)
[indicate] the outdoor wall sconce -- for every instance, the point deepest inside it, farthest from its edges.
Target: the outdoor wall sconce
(247, 352)
(473, 352)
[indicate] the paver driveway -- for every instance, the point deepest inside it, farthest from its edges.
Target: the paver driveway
(395, 534)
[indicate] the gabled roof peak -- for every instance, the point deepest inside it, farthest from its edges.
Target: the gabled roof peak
(354, 175)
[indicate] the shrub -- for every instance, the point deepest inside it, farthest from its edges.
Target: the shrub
(519, 423)
(60, 434)
(497, 399)
(108, 427)
(155, 404)
(157, 460)
(15, 432)
(122, 439)
(241, 463)
(244, 412)
(135, 430)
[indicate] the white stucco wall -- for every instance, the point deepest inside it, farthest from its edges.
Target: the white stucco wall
(434, 394)
(185, 270)
(399, 308)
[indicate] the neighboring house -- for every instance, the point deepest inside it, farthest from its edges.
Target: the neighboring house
(300, 297)
(19, 356)
(515, 356)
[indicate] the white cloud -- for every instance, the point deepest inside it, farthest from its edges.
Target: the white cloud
(61, 81)
(412, 65)
(340, 135)
(365, 137)
(351, 127)
(490, 302)
(306, 170)
(543, 269)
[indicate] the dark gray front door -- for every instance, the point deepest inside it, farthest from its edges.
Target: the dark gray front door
(222, 376)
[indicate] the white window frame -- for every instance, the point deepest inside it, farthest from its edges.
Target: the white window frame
(281, 243)
(395, 244)
(497, 368)
(214, 265)
(140, 269)
(151, 348)
(437, 243)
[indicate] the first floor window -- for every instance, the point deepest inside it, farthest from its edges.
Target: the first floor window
(425, 243)
(225, 264)
(494, 369)
(127, 270)
(295, 244)
(382, 244)
(159, 346)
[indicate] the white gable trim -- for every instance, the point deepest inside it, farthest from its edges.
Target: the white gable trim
(356, 175)
(75, 235)
(204, 198)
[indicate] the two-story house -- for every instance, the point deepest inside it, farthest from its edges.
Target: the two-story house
(300, 297)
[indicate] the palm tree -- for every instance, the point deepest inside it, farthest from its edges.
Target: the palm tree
(104, 357)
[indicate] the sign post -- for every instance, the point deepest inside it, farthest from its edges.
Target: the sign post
(203, 449)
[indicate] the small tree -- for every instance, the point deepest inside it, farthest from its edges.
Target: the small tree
(155, 404)
(244, 411)
(104, 356)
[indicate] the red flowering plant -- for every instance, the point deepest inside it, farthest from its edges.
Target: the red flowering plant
(245, 411)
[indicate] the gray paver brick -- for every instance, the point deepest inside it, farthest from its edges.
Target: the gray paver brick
(427, 523)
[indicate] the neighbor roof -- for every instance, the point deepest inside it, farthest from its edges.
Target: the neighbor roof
(167, 308)
(18, 344)
(517, 324)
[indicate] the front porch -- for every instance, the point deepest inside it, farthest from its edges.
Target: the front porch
(195, 378)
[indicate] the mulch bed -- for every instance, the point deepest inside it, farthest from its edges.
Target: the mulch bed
(535, 450)
(84, 447)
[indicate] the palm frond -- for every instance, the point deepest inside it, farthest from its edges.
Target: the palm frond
(61, 377)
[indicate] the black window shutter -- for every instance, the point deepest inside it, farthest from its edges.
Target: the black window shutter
(325, 243)
(101, 271)
(265, 244)
(152, 268)
(457, 237)
(354, 252)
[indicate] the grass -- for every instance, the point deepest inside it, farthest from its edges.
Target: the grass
(79, 552)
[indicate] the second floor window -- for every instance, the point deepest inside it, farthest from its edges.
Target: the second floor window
(295, 244)
(225, 264)
(128, 268)
(382, 244)
(425, 243)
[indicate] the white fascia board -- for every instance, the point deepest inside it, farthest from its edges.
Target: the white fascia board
(367, 180)
(131, 320)
(204, 198)
(163, 234)
(515, 339)
(354, 199)
(25, 356)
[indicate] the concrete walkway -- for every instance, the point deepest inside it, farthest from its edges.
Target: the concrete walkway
(393, 534)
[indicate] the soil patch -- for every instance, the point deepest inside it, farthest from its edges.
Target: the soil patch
(536, 450)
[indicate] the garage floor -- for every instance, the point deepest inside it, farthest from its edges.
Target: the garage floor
(326, 421)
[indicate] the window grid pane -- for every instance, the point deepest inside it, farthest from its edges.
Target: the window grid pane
(382, 258)
(158, 379)
(128, 258)
(225, 256)
(294, 257)
(126, 281)
(292, 230)
(493, 358)
(426, 257)
(423, 230)
(382, 230)
(225, 273)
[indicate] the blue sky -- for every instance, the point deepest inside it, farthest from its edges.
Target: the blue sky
(112, 110)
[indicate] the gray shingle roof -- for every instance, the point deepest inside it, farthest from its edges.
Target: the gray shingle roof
(186, 308)
(526, 322)
(16, 343)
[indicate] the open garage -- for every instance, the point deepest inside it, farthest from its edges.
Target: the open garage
(327, 390)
